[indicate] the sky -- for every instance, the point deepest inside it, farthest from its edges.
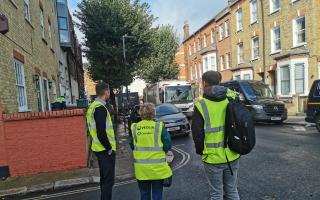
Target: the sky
(176, 12)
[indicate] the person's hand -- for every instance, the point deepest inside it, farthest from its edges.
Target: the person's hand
(110, 152)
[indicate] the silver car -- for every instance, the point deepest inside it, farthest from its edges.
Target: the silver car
(175, 121)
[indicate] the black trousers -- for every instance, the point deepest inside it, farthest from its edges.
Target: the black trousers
(107, 173)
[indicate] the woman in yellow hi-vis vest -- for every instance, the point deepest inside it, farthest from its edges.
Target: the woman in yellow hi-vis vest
(150, 141)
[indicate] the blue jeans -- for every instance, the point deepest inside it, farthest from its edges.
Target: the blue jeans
(221, 180)
(148, 187)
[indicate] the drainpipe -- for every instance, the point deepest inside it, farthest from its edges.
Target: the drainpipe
(70, 85)
(263, 42)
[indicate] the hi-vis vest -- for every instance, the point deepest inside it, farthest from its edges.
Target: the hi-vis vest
(149, 158)
(96, 145)
(214, 114)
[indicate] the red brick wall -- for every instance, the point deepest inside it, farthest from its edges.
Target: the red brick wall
(33, 143)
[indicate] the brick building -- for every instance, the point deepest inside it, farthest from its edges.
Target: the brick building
(180, 60)
(200, 53)
(30, 51)
(269, 40)
(223, 38)
(28, 58)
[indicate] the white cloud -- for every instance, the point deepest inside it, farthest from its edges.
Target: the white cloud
(197, 13)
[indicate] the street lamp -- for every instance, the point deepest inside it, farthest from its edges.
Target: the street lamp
(126, 72)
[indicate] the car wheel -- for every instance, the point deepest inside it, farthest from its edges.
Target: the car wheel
(318, 122)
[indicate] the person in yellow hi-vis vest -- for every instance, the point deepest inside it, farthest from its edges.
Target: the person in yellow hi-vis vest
(208, 123)
(150, 142)
(100, 126)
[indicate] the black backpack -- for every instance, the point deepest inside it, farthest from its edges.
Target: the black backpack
(239, 128)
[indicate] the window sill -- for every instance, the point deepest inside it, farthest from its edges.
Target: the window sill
(299, 45)
(227, 37)
(253, 23)
(29, 22)
(255, 59)
(14, 4)
(240, 30)
(293, 2)
(275, 11)
(275, 52)
(25, 110)
(44, 41)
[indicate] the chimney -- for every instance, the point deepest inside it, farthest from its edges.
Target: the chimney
(186, 30)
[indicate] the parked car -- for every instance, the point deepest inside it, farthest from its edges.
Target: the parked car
(313, 105)
(259, 99)
(172, 117)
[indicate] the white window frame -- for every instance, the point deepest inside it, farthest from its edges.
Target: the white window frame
(190, 50)
(42, 28)
(241, 74)
(213, 62)
(48, 94)
(206, 63)
(227, 28)
(295, 32)
(26, 8)
(205, 41)
(228, 60)
(222, 62)
(221, 31)
(292, 63)
(212, 36)
(274, 40)
(296, 79)
(253, 11)
(21, 86)
(198, 44)
(239, 54)
(50, 36)
(254, 48)
(272, 4)
(239, 19)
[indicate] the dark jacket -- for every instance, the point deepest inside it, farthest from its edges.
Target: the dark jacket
(214, 93)
(100, 116)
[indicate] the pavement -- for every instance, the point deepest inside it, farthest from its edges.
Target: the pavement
(46, 182)
(52, 183)
(284, 165)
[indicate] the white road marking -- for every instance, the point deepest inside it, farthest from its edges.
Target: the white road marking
(182, 163)
(185, 158)
(299, 128)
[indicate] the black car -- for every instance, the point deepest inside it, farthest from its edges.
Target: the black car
(313, 105)
(259, 99)
(174, 120)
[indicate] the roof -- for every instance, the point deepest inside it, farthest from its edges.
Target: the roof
(221, 14)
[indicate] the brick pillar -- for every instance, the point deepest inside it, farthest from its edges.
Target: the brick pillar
(3, 154)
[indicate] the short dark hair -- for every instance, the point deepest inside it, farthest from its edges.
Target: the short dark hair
(101, 88)
(212, 78)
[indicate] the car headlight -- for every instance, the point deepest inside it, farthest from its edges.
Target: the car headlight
(257, 107)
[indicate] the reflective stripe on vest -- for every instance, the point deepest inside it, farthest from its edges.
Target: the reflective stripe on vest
(149, 158)
(213, 113)
(208, 129)
(96, 144)
(156, 140)
(150, 161)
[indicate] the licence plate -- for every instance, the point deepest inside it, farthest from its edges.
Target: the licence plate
(173, 128)
(275, 118)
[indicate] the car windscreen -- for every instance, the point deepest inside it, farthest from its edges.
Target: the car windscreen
(178, 94)
(255, 91)
(163, 110)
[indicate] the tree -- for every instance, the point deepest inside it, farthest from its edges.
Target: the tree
(103, 23)
(161, 64)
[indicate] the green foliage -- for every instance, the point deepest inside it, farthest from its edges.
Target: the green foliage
(103, 23)
(160, 64)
